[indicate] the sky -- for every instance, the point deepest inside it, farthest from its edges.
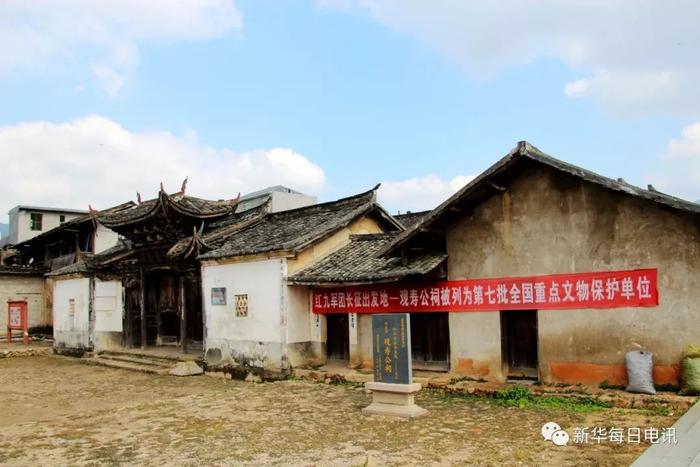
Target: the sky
(101, 99)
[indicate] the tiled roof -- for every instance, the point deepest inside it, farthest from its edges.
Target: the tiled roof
(68, 225)
(219, 234)
(410, 219)
(20, 270)
(179, 202)
(295, 229)
(357, 262)
(88, 261)
(517, 160)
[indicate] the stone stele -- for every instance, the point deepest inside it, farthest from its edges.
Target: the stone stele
(396, 400)
(186, 369)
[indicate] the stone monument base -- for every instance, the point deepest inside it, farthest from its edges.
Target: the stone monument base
(396, 400)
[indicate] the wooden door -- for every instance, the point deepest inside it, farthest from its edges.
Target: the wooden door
(519, 343)
(194, 321)
(132, 320)
(430, 341)
(337, 337)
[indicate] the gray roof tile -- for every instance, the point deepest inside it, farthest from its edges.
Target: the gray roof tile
(357, 262)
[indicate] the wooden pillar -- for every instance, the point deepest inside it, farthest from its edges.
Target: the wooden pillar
(143, 309)
(183, 312)
(158, 317)
(127, 335)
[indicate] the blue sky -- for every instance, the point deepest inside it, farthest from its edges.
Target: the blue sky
(333, 97)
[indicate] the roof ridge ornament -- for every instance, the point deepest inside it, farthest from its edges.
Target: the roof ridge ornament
(374, 192)
(184, 186)
(234, 202)
(93, 216)
(524, 147)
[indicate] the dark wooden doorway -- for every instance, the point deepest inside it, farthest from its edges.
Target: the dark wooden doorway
(337, 337)
(194, 321)
(132, 321)
(173, 311)
(519, 343)
(430, 341)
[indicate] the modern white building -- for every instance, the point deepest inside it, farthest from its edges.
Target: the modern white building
(29, 221)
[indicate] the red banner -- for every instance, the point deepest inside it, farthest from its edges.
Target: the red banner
(611, 289)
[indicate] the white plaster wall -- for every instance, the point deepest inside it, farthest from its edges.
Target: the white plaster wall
(262, 281)
(23, 222)
(298, 314)
(71, 329)
(108, 306)
(104, 238)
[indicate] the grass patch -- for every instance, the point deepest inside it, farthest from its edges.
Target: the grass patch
(522, 397)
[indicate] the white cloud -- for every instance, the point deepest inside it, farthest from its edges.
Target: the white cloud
(94, 160)
(578, 88)
(37, 34)
(680, 173)
(419, 193)
(634, 57)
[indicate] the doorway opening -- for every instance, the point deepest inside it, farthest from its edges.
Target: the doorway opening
(172, 314)
(430, 341)
(519, 344)
(337, 337)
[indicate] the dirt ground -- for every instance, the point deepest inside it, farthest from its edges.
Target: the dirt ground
(59, 412)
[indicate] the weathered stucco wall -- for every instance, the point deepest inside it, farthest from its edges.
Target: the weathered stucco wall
(258, 340)
(323, 248)
(549, 223)
(71, 311)
(108, 306)
(306, 344)
(364, 339)
(23, 287)
(280, 331)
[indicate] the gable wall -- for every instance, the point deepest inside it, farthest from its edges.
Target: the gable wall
(305, 333)
(550, 223)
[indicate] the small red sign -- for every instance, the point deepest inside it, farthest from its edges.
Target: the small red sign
(608, 289)
(17, 319)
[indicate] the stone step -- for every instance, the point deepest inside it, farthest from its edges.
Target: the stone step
(99, 361)
(138, 360)
(162, 359)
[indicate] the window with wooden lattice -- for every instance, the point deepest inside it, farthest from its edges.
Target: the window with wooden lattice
(241, 305)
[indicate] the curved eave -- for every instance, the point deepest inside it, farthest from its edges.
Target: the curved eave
(226, 207)
(104, 219)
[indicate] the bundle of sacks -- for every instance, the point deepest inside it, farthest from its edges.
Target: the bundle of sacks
(690, 371)
(640, 369)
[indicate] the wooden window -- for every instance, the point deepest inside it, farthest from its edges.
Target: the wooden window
(61, 219)
(241, 305)
(35, 219)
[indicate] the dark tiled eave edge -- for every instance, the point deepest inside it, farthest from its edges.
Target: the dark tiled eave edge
(165, 203)
(525, 150)
(302, 242)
